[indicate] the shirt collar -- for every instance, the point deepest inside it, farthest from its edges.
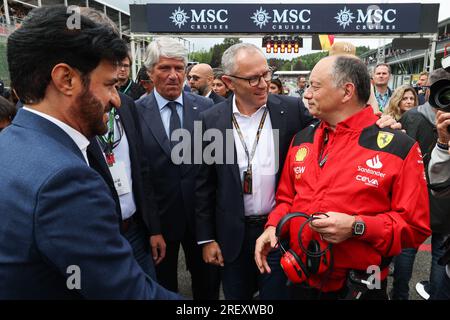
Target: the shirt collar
(237, 112)
(163, 101)
(358, 121)
(80, 140)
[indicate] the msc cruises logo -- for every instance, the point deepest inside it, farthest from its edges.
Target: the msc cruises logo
(260, 17)
(179, 17)
(344, 17)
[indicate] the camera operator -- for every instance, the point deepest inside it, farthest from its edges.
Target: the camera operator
(439, 173)
(420, 125)
(439, 168)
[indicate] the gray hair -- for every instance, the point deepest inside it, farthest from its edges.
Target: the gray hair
(164, 47)
(438, 74)
(228, 57)
(351, 69)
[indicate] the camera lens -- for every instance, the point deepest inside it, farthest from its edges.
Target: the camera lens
(440, 95)
(444, 96)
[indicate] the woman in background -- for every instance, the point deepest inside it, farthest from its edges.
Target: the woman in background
(275, 86)
(219, 86)
(403, 99)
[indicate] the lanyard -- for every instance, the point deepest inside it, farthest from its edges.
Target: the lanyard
(255, 143)
(107, 141)
(128, 87)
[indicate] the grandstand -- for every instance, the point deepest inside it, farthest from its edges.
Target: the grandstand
(12, 13)
(407, 64)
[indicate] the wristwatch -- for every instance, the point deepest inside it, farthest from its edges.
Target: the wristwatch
(358, 227)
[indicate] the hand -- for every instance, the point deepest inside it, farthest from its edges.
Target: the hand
(442, 125)
(158, 246)
(387, 121)
(264, 244)
(212, 254)
(335, 228)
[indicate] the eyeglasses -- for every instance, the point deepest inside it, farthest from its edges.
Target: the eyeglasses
(125, 66)
(194, 78)
(254, 81)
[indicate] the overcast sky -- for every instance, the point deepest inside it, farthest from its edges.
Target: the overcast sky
(206, 43)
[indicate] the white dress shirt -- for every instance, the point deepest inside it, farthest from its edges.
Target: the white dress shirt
(262, 199)
(122, 154)
(80, 140)
(166, 112)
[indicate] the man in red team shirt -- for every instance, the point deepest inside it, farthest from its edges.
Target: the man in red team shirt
(368, 182)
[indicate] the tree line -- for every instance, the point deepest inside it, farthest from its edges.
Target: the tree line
(213, 57)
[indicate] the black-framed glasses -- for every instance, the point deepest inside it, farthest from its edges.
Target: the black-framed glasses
(254, 81)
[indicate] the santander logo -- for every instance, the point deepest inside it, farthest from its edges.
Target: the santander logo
(374, 163)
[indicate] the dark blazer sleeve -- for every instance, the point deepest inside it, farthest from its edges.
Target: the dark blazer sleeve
(149, 206)
(82, 231)
(205, 197)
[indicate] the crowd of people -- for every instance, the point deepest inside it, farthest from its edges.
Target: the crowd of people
(291, 197)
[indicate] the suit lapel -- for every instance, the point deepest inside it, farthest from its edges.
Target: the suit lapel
(189, 116)
(278, 114)
(152, 119)
(278, 118)
(224, 124)
(97, 160)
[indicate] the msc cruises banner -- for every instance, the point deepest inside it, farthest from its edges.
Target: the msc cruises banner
(276, 18)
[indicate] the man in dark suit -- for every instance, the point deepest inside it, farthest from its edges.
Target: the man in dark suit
(59, 233)
(165, 113)
(126, 173)
(135, 203)
(200, 80)
(229, 218)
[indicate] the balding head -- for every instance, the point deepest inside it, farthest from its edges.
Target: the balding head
(200, 78)
(340, 86)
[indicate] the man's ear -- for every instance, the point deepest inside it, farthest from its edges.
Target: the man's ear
(349, 91)
(66, 79)
(227, 80)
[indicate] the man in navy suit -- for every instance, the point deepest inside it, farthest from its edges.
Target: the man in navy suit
(59, 237)
(164, 113)
(126, 173)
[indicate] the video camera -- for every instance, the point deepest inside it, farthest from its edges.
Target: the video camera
(440, 90)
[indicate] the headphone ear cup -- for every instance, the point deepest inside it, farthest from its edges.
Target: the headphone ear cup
(293, 267)
(313, 263)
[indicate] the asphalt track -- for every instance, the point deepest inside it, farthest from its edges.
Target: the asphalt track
(421, 272)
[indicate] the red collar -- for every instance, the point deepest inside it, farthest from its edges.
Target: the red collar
(356, 122)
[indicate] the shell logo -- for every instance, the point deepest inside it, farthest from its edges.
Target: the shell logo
(301, 154)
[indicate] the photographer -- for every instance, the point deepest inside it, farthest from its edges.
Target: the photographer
(439, 173)
(420, 125)
(439, 168)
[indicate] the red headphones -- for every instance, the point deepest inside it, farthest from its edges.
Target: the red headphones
(295, 269)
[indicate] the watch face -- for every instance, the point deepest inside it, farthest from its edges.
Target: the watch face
(359, 228)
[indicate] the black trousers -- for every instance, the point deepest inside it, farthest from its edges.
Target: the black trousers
(205, 277)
